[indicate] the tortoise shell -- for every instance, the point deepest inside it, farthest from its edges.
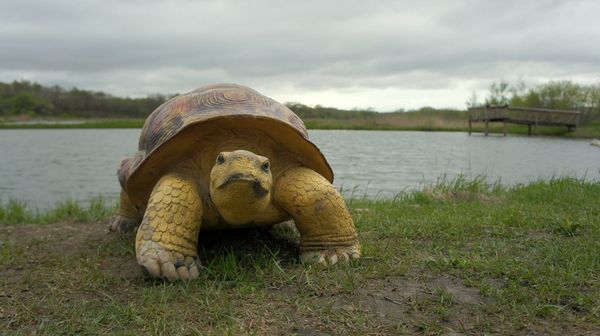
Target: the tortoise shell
(175, 125)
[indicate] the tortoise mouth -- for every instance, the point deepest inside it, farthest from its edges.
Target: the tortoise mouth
(259, 190)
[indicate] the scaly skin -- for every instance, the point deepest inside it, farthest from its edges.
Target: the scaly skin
(128, 217)
(239, 187)
(243, 192)
(327, 232)
(166, 242)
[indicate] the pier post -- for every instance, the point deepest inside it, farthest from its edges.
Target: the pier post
(469, 126)
(530, 116)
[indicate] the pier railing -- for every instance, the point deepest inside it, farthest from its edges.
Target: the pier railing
(524, 116)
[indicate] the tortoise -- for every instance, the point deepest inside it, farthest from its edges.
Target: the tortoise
(224, 157)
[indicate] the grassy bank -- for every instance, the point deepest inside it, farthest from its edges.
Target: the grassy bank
(457, 126)
(17, 212)
(462, 256)
(393, 122)
(74, 123)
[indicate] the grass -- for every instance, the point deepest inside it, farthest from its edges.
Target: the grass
(589, 130)
(456, 122)
(85, 123)
(461, 256)
(97, 209)
(434, 124)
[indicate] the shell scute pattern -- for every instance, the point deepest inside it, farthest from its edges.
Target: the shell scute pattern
(202, 104)
(163, 124)
(206, 104)
(297, 122)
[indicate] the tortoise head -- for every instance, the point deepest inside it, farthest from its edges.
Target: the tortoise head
(240, 185)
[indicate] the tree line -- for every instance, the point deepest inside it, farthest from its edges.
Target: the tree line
(25, 98)
(559, 95)
(32, 99)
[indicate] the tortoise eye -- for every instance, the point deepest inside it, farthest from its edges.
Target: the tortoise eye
(220, 159)
(265, 166)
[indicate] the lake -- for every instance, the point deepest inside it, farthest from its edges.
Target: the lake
(42, 167)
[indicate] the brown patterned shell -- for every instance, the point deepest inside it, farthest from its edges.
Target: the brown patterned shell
(209, 103)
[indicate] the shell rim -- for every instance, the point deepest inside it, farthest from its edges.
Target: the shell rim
(139, 170)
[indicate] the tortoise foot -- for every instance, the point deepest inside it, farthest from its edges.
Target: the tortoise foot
(331, 256)
(123, 224)
(161, 263)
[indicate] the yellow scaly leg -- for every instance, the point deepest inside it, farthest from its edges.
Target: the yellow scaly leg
(166, 242)
(327, 232)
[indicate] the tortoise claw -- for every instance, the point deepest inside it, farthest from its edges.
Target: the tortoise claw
(331, 256)
(171, 266)
(122, 224)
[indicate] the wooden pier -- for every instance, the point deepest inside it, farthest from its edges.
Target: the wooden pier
(523, 116)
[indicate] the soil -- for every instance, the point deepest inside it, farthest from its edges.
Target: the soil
(397, 302)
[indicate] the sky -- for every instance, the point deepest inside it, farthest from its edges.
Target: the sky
(384, 55)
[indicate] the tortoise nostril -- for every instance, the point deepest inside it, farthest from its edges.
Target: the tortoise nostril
(259, 190)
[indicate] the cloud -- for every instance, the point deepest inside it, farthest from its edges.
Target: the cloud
(384, 54)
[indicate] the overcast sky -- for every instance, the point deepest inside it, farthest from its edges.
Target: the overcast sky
(380, 54)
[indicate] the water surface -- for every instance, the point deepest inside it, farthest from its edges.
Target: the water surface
(45, 166)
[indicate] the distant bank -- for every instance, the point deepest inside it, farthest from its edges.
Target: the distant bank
(30, 105)
(405, 121)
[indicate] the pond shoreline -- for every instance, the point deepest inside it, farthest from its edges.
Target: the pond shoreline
(43, 166)
(588, 131)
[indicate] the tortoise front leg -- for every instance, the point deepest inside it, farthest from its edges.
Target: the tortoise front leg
(327, 232)
(167, 240)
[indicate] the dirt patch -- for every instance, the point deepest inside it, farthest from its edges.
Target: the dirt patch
(460, 293)
(82, 265)
(402, 305)
(42, 245)
(308, 332)
(69, 238)
(390, 299)
(400, 301)
(539, 234)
